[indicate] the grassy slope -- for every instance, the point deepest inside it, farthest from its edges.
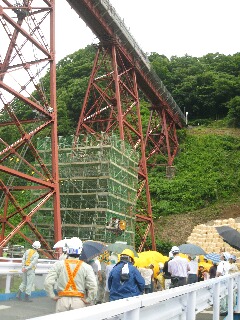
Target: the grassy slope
(176, 228)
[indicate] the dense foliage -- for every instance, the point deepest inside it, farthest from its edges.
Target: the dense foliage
(207, 169)
(208, 88)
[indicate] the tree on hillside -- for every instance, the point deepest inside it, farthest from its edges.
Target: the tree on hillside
(233, 116)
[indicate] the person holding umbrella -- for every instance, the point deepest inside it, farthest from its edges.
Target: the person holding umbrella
(193, 270)
(178, 267)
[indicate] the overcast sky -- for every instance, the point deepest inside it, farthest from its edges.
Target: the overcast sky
(169, 27)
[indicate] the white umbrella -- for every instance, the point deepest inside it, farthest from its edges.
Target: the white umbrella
(61, 244)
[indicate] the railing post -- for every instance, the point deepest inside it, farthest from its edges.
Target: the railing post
(216, 301)
(191, 306)
(238, 296)
(230, 299)
(8, 283)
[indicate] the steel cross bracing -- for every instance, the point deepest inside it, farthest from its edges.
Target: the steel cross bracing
(26, 112)
(112, 101)
(112, 105)
(28, 53)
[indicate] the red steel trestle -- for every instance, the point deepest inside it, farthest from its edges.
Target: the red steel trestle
(27, 117)
(112, 105)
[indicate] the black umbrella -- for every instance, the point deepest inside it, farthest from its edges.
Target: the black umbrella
(230, 235)
(92, 249)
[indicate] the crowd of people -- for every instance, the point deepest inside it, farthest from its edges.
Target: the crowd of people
(73, 283)
(179, 271)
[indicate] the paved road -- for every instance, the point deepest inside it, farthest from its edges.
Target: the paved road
(17, 310)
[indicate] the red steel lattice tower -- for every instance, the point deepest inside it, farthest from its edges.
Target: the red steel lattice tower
(112, 105)
(28, 116)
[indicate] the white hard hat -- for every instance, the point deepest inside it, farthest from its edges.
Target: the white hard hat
(36, 245)
(226, 255)
(74, 246)
(175, 249)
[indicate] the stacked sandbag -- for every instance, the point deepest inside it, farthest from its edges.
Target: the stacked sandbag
(207, 237)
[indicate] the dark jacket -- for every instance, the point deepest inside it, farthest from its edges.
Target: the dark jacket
(213, 271)
(166, 274)
(119, 289)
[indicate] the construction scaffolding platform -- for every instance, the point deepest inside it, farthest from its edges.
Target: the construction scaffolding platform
(98, 189)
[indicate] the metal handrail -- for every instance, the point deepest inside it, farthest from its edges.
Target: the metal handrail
(178, 303)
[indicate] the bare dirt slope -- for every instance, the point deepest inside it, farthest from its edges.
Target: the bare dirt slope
(177, 228)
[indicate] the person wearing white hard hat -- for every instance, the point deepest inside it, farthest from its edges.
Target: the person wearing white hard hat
(233, 266)
(178, 267)
(73, 279)
(224, 265)
(29, 263)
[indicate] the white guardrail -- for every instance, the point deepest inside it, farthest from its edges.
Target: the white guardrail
(173, 304)
(10, 267)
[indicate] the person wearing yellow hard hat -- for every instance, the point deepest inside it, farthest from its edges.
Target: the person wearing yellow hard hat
(125, 279)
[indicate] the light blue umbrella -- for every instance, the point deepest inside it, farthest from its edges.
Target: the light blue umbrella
(214, 257)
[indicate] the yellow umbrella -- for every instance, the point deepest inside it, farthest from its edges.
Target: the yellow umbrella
(150, 257)
(206, 265)
(183, 255)
(152, 254)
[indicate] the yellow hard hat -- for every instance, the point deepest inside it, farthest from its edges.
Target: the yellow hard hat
(128, 252)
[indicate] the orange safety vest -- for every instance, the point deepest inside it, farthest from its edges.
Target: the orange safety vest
(71, 288)
(30, 254)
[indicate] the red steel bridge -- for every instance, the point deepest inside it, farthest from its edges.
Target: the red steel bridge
(27, 51)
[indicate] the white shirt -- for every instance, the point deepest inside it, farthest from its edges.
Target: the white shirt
(223, 268)
(193, 267)
(96, 265)
(178, 267)
(146, 274)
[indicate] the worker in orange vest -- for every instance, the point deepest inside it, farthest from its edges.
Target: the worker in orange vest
(73, 279)
(29, 263)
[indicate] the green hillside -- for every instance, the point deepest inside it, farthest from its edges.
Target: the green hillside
(206, 185)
